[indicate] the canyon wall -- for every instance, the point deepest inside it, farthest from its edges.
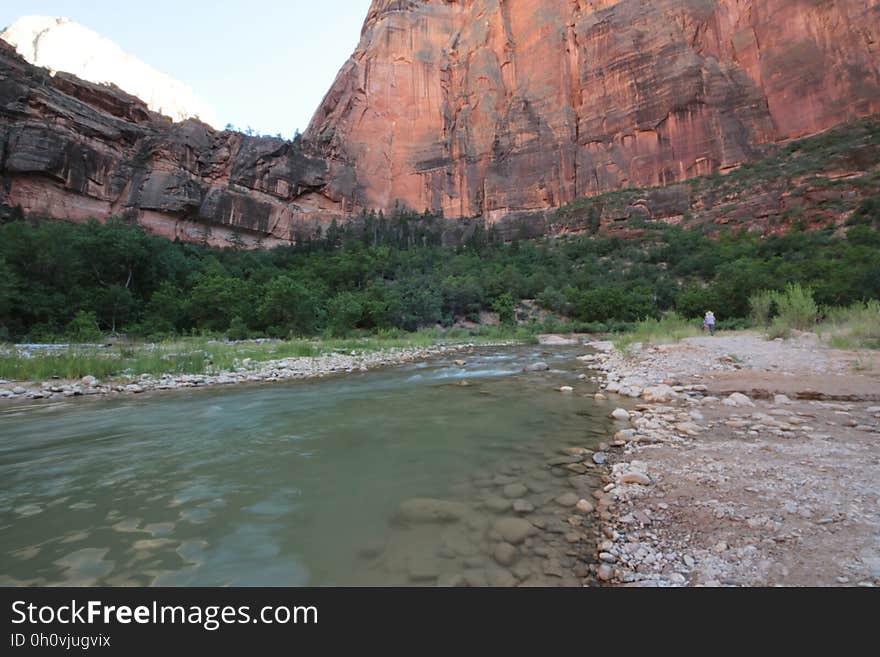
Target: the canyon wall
(487, 107)
(74, 149)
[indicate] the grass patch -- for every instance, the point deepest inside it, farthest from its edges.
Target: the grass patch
(207, 356)
(854, 327)
(780, 312)
(671, 328)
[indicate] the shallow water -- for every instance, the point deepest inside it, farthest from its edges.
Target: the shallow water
(295, 483)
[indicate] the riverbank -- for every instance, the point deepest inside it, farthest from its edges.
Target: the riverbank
(244, 367)
(741, 461)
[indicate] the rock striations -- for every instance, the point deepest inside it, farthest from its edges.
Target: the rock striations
(75, 149)
(485, 108)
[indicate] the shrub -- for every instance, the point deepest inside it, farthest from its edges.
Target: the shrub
(670, 328)
(797, 309)
(763, 307)
(505, 306)
(238, 330)
(83, 328)
(855, 326)
(793, 308)
(778, 329)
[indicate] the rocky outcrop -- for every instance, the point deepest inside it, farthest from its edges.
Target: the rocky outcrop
(491, 107)
(61, 45)
(75, 149)
(485, 108)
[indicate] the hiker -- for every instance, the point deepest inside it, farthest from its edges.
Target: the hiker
(709, 322)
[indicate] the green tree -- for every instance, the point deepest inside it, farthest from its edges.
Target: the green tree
(83, 328)
(289, 305)
(344, 312)
(505, 306)
(216, 299)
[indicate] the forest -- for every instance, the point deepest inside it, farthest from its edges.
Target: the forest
(61, 280)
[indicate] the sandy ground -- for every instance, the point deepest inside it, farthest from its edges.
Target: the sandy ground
(777, 487)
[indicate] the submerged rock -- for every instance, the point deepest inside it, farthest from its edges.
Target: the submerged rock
(431, 510)
(514, 530)
(505, 554)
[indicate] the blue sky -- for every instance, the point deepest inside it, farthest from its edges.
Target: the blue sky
(261, 64)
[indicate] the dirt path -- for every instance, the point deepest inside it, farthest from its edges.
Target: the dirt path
(743, 462)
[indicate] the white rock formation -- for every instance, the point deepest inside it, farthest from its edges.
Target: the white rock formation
(60, 44)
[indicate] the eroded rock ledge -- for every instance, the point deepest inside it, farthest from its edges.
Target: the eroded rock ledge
(74, 149)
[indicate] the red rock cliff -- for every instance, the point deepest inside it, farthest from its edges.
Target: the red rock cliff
(492, 106)
(74, 149)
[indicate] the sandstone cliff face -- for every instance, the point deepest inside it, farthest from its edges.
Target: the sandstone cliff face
(488, 107)
(74, 149)
(500, 109)
(60, 44)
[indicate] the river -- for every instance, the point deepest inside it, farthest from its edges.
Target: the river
(300, 483)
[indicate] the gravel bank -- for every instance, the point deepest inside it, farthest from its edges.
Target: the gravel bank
(740, 462)
(249, 372)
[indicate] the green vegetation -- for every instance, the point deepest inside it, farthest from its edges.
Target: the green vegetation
(797, 170)
(208, 356)
(60, 280)
(855, 327)
(671, 328)
(780, 312)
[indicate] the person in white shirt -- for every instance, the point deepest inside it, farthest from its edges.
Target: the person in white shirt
(709, 322)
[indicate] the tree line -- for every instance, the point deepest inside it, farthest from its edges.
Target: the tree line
(394, 272)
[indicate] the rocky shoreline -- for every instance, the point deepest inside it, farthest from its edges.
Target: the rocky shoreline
(709, 486)
(249, 371)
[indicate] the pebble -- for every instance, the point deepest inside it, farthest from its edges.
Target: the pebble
(513, 491)
(605, 572)
(659, 394)
(585, 506)
(567, 499)
(620, 414)
(498, 504)
(505, 554)
(635, 478)
(677, 578)
(738, 399)
(522, 506)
